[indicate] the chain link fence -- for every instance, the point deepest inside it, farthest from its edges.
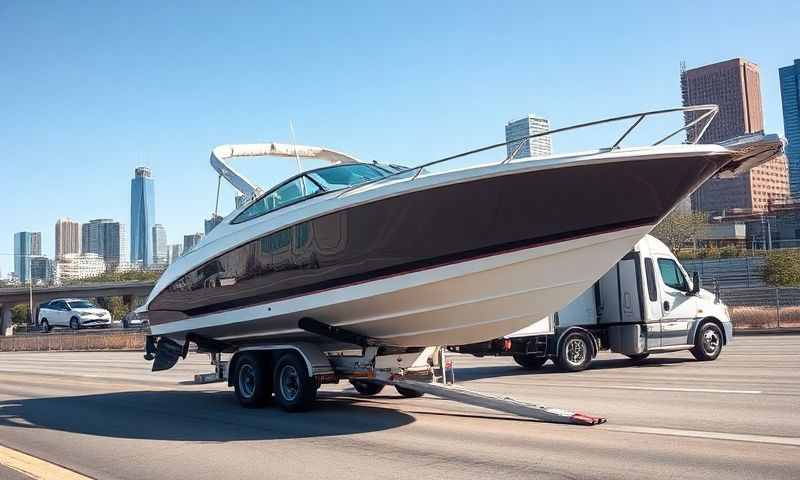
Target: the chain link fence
(731, 273)
(764, 307)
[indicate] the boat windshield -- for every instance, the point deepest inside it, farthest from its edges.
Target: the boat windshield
(343, 176)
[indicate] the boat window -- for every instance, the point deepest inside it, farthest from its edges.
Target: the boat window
(671, 274)
(287, 194)
(343, 176)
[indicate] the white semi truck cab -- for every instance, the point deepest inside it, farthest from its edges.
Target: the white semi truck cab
(645, 304)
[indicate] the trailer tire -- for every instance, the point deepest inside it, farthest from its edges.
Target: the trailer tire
(529, 362)
(407, 392)
(575, 353)
(708, 342)
(295, 390)
(637, 357)
(367, 388)
(252, 381)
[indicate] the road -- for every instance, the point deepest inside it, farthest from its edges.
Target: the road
(105, 416)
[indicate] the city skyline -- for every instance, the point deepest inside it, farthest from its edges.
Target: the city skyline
(166, 105)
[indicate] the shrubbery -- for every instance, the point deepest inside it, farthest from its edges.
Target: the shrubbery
(783, 268)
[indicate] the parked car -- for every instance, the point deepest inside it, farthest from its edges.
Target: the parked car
(132, 320)
(74, 313)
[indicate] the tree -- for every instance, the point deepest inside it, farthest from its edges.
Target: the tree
(782, 268)
(678, 228)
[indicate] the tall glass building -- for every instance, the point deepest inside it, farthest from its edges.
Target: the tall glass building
(160, 253)
(531, 147)
(790, 97)
(26, 246)
(143, 214)
(106, 238)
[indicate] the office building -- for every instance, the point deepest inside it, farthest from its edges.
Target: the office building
(41, 270)
(189, 241)
(790, 98)
(143, 214)
(106, 238)
(160, 244)
(78, 266)
(531, 147)
(175, 251)
(735, 86)
(68, 237)
(26, 246)
(212, 222)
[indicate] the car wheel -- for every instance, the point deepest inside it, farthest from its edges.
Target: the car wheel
(367, 388)
(74, 323)
(638, 357)
(529, 362)
(45, 325)
(576, 353)
(708, 344)
(407, 392)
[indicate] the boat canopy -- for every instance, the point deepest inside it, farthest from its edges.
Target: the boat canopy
(221, 154)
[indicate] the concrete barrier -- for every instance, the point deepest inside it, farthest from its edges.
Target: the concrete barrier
(83, 341)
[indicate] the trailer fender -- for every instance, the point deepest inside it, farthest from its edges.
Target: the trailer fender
(594, 341)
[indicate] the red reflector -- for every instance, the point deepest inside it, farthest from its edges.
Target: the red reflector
(507, 344)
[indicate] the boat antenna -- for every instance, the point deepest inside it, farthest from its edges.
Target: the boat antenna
(216, 207)
(297, 157)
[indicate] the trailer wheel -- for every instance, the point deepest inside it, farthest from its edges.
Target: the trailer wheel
(295, 390)
(638, 357)
(529, 362)
(252, 382)
(407, 392)
(575, 353)
(708, 344)
(367, 388)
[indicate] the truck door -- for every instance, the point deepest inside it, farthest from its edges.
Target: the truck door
(678, 307)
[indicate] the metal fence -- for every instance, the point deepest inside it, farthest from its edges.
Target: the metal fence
(731, 273)
(766, 307)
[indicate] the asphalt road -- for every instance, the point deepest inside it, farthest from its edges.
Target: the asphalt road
(104, 415)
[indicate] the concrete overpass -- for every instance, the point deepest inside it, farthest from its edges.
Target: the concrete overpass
(20, 295)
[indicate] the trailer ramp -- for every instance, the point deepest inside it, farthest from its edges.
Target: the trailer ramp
(499, 403)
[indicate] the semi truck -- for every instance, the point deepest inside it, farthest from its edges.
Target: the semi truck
(645, 304)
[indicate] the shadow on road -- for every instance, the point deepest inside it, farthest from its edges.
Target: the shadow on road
(201, 416)
(476, 373)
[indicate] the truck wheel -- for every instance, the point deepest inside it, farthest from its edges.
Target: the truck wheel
(45, 325)
(295, 390)
(407, 392)
(637, 357)
(367, 388)
(529, 362)
(576, 353)
(708, 344)
(74, 323)
(253, 381)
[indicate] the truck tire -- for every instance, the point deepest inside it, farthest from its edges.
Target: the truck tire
(407, 392)
(252, 380)
(575, 353)
(367, 388)
(295, 390)
(45, 325)
(529, 362)
(637, 357)
(708, 343)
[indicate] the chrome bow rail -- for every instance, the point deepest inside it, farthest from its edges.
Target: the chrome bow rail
(703, 115)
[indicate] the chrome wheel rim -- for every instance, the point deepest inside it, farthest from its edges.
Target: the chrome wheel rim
(576, 351)
(247, 380)
(710, 341)
(290, 382)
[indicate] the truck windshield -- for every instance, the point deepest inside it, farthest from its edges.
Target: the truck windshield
(81, 304)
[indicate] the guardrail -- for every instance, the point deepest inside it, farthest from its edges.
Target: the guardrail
(81, 340)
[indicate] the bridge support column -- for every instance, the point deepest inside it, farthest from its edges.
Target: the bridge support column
(6, 329)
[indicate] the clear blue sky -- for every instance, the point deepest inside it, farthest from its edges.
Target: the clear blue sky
(90, 90)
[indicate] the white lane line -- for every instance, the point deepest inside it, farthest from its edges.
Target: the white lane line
(738, 437)
(36, 467)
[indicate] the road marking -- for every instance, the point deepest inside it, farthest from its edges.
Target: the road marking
(679, 389)
(36, 467)
(738, 437)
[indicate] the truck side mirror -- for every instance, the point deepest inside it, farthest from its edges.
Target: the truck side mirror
(695, 282)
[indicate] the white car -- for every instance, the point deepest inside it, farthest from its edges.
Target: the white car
(73, 313)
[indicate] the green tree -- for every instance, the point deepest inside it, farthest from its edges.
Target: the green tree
(782, 268)
(132, 276)
(677, 228)
(20, 314)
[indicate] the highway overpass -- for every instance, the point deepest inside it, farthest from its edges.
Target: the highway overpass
(20, 295)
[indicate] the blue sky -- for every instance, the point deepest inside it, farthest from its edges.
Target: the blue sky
(93, 89)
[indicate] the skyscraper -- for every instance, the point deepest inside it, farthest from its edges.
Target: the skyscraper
(174, 252)
(41, 269)
(68, 237)
(189, 241)
(160, 244)
(531, 147)
(107, 239)
(212, 222)
(735, 86)
(143, 215)
(26, 246)
(790, 97)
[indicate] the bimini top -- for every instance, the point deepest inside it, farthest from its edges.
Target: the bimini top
(221, 154)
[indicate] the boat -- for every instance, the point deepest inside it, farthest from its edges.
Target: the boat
(410, 257)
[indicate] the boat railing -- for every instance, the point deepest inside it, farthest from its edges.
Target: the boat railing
(704, 114)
